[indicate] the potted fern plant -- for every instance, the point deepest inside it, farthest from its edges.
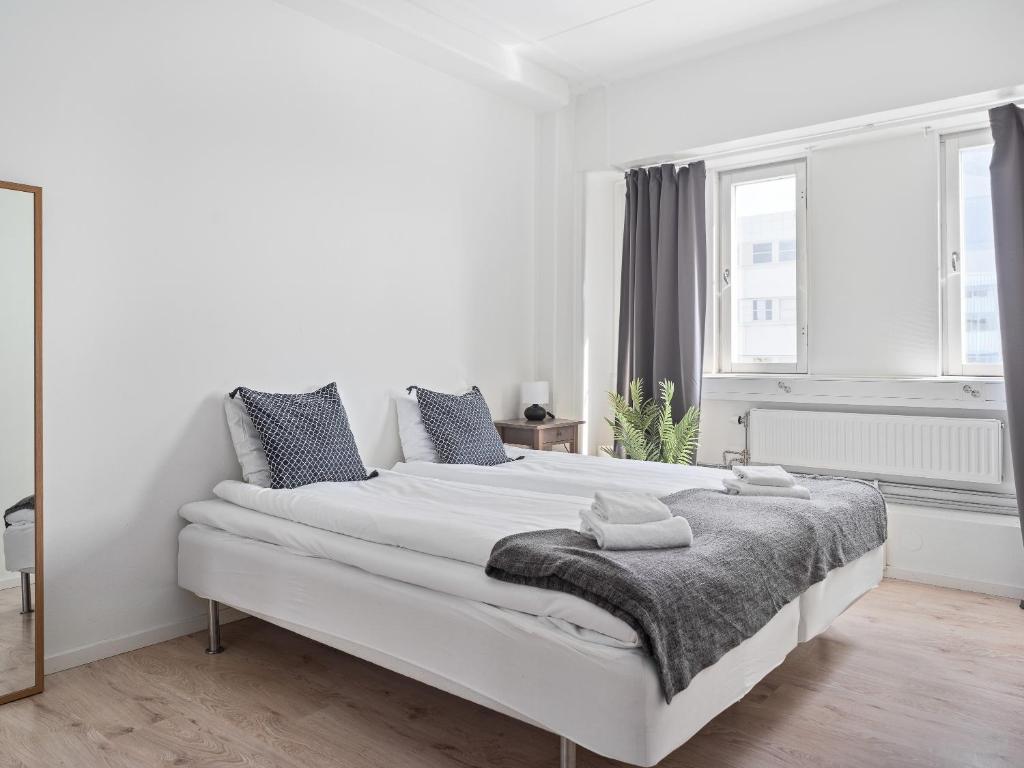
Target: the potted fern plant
(644, 428)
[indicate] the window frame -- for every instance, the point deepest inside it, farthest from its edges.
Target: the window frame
(952, 281)
(728, 311)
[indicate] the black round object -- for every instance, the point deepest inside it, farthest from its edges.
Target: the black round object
(535, 413)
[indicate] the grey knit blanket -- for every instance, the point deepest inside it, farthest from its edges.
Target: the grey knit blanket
(751, 555)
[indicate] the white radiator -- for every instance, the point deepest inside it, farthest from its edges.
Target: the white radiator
(920, 447)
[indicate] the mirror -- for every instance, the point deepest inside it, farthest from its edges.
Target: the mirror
(21, 650)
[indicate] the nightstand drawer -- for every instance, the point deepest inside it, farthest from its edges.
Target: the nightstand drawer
(513, 436)
(560, 435)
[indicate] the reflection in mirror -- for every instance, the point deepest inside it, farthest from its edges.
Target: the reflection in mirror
(17, 440)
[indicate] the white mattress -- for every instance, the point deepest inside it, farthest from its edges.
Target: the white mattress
(606, 699)
(20, 547)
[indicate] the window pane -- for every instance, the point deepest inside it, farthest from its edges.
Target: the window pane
(764, 221)
(761, 253)
(979, 305)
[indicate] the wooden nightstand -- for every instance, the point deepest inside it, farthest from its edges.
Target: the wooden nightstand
(541, 435)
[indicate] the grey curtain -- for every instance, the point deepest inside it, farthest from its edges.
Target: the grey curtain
(664, 281)
(1007, 171)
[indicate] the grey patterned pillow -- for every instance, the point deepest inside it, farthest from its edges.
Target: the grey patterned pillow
(461, 428)
(306, 436)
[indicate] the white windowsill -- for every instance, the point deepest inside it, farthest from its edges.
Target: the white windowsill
(841, 377)
(984, 393)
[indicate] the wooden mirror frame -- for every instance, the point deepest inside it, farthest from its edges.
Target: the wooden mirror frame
(37, 194)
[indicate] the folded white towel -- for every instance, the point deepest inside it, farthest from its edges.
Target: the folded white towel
(766, 475)
(629, 507)
(743, 488)
(663, 534)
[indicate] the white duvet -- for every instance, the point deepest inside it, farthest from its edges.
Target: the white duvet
(567, 473)
(452, 520)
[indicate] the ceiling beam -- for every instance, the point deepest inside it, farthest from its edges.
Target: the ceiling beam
(411, 31)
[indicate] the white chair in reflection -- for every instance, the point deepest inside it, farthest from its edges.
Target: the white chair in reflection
(20, 549)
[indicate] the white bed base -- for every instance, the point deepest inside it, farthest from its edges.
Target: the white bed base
(604, 698)
(20, 556)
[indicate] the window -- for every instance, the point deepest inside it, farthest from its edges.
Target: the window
(761, 253)
(970, 304)
(758, 310)
(761, 262)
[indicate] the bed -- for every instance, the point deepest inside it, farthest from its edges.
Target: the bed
(393, 574)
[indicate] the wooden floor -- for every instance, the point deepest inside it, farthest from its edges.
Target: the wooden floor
(17, 644)
(910, 676)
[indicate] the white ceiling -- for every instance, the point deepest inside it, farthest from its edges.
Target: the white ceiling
(543, 50)
(590, 42)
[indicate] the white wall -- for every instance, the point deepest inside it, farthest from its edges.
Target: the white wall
(873, 258)
(557, 284)
(604, 201)
(952, 548)
(894, 56)
(17, 359)
(236, 193)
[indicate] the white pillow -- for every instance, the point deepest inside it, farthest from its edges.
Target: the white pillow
(416, 443)
(248, 446)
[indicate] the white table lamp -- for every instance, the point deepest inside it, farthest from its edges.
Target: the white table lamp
(536, 394)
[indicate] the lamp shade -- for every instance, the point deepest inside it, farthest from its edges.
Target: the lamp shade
(538, 392)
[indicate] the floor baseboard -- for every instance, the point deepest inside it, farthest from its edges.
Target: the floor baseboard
(106, 648)
(967, 585)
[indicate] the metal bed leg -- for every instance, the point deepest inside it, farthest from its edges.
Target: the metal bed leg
(26, 593)
(214, 617)
(567, 753)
